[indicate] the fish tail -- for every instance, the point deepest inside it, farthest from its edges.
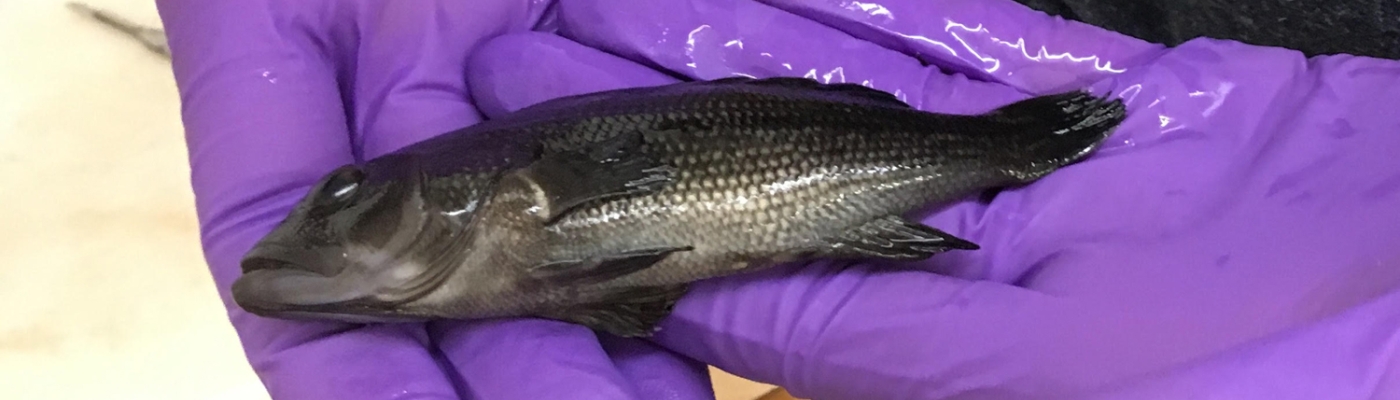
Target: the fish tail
(1055, 130)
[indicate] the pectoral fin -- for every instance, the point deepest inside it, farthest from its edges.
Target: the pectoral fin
(893, 237)
(633, 312)
(603, 267)
(610, 168)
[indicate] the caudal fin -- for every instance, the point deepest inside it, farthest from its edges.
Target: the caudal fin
(1055, 130)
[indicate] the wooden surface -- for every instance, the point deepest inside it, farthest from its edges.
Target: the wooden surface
(778, 394)
(730, 387)
(103, 287)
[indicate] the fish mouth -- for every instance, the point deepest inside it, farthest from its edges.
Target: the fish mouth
(280, 279)
(295, 294)
(273, 287)
(272, 256)
(300, 284)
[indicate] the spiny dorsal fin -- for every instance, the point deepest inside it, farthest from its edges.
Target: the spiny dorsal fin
(877, 95)
(788, 81)
(728, 80)
(854, 90)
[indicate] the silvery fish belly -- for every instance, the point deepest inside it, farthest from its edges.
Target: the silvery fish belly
(600, 209)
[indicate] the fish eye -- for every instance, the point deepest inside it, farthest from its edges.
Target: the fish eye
(343, 183)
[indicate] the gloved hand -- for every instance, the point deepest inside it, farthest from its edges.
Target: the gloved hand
(277, 93)
(1235, 239)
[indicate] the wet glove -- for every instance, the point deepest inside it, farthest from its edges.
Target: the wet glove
(1235, 239)
(276, 94)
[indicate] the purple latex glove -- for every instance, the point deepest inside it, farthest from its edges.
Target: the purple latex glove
(1237, 238)
(277, 93)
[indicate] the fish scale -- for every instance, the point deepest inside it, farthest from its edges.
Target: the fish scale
(873, 162)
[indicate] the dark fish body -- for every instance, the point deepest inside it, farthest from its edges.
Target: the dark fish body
(599, 209)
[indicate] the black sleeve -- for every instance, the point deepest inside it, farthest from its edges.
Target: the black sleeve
(1359, 27)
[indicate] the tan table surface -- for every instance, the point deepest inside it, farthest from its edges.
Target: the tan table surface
(103, 287)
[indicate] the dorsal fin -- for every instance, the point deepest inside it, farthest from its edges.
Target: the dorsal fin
(788, 81)
(856, 89)
(846, 89)
(731, 80)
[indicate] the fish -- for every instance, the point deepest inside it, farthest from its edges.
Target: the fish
(602, 209)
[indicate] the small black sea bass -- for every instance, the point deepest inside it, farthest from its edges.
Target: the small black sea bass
(600, 209)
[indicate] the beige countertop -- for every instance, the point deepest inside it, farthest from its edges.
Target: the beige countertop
(103, 288)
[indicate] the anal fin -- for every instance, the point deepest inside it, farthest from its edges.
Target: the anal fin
(896, 238)
(601, 268)
(632, 312)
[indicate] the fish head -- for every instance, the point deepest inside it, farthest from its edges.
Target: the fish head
(360, 242)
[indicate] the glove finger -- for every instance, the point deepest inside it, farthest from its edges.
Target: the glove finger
(553, 66)
(1356, 366)
(814, 330)
(636, 370)
(810, 329)
(542, 359)
(263, 123)
(409, 82)
(991, 40)
(656, 372)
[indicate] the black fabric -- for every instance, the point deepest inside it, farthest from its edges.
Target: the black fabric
(1360, 27)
